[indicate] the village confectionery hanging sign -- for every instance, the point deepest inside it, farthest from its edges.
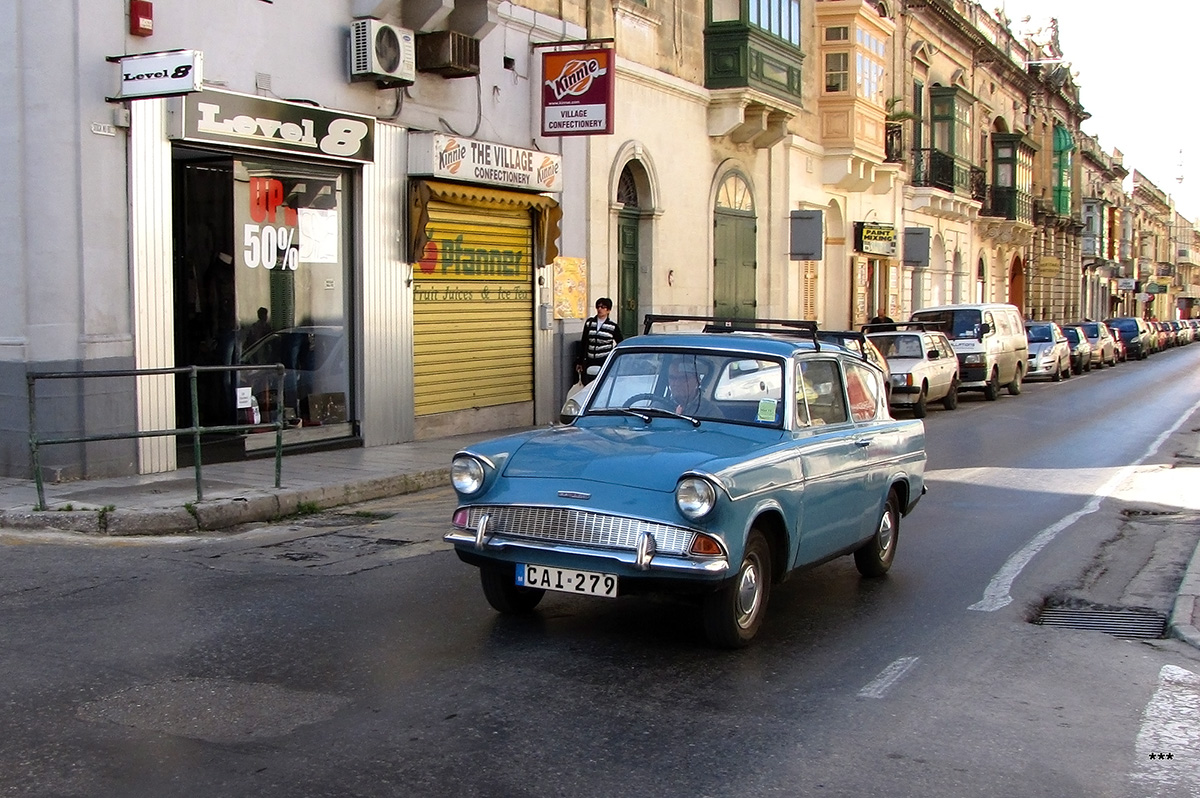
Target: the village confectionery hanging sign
(577, 92)
(259, 123)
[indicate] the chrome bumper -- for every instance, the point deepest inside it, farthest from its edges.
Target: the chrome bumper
(644, 558)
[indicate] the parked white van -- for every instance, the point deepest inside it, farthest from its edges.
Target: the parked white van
(990, 342)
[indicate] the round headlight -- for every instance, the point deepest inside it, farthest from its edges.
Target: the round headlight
(466, 474)
(975, 358)
(571, 408)
(695, 497)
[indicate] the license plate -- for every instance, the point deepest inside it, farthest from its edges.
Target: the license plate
(566, 580)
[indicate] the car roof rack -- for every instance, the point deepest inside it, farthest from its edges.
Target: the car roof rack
(793, 328)
(805, 329)
(895, 326)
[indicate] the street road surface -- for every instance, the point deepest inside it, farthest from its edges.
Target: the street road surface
(352, 654)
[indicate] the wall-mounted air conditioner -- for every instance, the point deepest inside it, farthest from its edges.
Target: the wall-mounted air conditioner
(448, 53)
(383, 53)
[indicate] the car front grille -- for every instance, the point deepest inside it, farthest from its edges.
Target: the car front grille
(579, 527)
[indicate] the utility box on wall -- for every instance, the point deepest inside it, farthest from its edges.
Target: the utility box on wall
(448, 53)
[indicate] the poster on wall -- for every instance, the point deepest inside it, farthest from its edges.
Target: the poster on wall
(577, 92)
(570, 288)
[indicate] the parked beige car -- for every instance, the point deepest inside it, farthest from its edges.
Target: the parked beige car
(923, 367)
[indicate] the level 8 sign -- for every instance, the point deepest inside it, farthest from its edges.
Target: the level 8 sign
(270, 247)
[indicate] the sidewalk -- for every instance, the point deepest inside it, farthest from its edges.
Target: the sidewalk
(244, 492)
(234, 493)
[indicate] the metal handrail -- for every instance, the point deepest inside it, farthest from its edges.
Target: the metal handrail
(196, 430)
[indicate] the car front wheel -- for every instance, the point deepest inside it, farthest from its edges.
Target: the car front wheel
(874, 557)
(950, 401)
(921, 406)
(991, 391)
(504, 594)
(733, 614)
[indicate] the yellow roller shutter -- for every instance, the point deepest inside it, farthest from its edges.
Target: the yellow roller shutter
(473, 308)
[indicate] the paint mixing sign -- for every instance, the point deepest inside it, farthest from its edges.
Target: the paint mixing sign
(577, 92)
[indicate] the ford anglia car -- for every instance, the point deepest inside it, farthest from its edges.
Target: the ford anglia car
(710, 463)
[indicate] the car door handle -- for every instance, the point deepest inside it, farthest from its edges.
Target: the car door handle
(862, 443)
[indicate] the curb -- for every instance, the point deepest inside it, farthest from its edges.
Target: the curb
(1183, 614)
(216, 514)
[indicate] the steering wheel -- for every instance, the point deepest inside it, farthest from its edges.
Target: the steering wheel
(651, 400)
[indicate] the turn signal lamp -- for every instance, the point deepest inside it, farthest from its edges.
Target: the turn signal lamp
(705, 546)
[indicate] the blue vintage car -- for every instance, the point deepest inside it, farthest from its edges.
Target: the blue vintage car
(713, 463)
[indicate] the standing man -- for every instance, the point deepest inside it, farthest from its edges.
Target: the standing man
(600, 335)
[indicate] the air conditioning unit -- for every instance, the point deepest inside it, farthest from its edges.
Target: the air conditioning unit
(448, 53)
(383, 53)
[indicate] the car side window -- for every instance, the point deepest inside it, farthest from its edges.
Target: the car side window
(989, 321)
(945, 348)
(820, 385)
(862, 386)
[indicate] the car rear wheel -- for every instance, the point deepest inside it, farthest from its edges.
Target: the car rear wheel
(991, 391)
(950, 401)
(504, 594)
(921, 406)
(1014, 387)
(874, 557)
(733, 614)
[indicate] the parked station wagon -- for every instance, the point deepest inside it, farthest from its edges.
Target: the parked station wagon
(710, 463)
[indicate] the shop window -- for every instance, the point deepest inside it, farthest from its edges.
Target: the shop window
(262, 277)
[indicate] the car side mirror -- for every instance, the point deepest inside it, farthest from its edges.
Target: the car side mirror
(984, 329)
(934, 354)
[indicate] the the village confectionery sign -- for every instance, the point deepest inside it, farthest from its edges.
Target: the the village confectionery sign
(577, 92)
(260, 123)
(474, 161)
(875, 239)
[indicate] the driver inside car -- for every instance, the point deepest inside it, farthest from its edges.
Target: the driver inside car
(684, 391)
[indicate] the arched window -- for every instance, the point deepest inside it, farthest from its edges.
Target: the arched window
(734, 195)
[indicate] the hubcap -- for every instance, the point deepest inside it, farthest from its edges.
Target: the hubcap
(886, 534)
(748, 594)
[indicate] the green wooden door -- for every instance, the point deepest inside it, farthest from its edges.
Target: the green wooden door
(627, 268)
(734, 266)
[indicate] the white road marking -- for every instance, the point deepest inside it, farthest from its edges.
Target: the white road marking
(889, 676)
(997, 593)
(1170, 727)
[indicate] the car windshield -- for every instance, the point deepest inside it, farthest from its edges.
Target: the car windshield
(1039, 333)
(1092, 329)
(898, 345)
(1072, 335)
(740, 388)
(1129, 325)
(954, 323)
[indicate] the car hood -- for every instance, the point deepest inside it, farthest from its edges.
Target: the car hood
(1039, 347)
(643, 456)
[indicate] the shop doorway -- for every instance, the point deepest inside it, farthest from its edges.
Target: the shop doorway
(261, 278)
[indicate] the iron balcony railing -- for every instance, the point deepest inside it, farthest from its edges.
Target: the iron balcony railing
(936, 169)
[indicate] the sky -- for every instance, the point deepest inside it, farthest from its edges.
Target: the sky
(1138, 78)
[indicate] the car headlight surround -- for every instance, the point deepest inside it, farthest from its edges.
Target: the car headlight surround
(466, 474)
(973, 359)
(695, 497)
(571, 408)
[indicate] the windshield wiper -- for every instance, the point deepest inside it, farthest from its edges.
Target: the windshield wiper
(659, 411)
(621, 411)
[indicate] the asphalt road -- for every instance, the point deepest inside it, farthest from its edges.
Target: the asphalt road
(351, 654)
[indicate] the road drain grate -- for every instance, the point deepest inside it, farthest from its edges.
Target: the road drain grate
(1119, 623)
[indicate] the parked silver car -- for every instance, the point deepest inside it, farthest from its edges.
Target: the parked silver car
(1081, 350)
(1049, 351)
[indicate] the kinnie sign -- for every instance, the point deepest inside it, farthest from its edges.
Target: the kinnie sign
(577, 92)
(160, 74)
